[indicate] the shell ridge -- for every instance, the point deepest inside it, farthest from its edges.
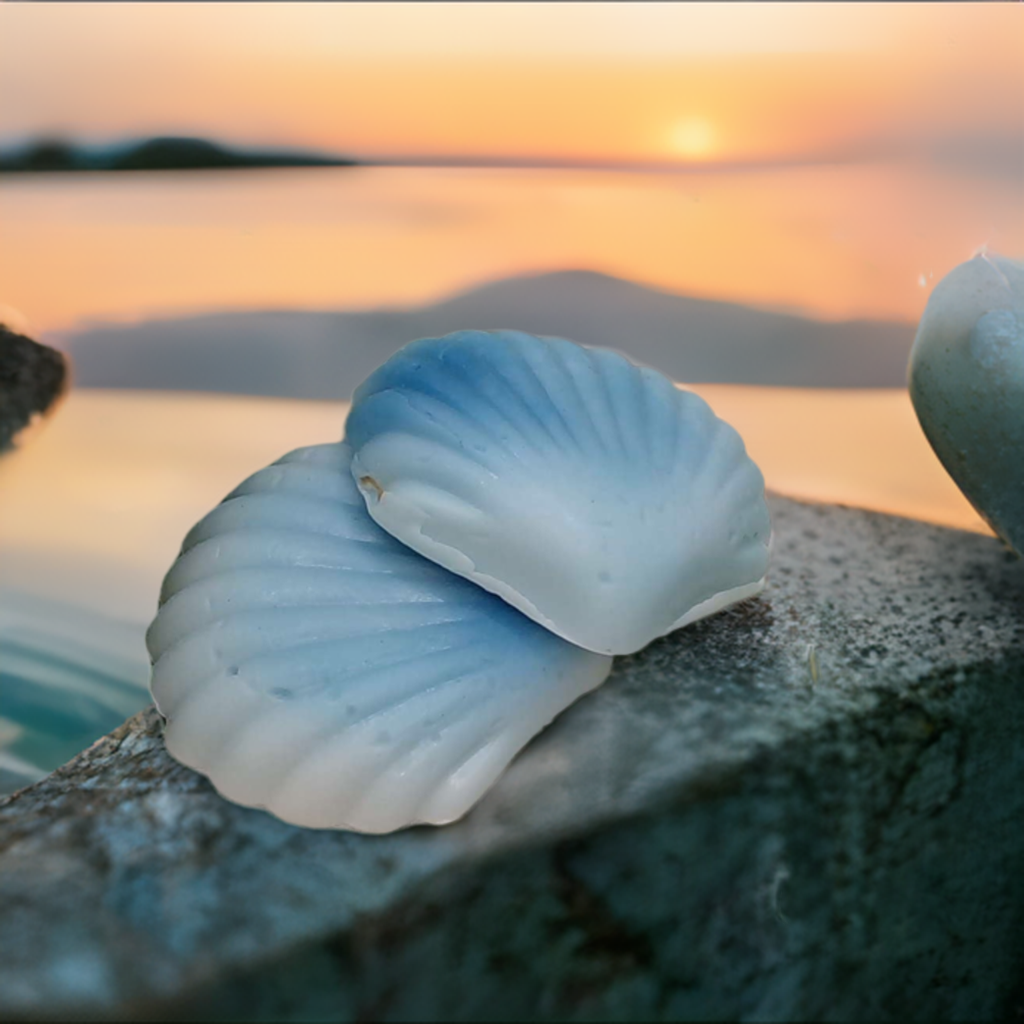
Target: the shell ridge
(405, 459)
(333, 541)
(698, 422)
(289, 638)
(555, 355)
(608, 365)
(448, 802)
(347, 561)
(424, 387)
(229, 616)
(595, 401)
(361, 680)
(616, 443)
(642, 396)
(273, 509)
(514, 391)
(326, 454)
(664, 410)
(238, 748)
(723, 442)
(195, 722)
(528, 353)
(295, 478)
(285, 634)
(662, 399)
(691, 425)
(429, 782)
(311, 756)
(428, 407)
(452, 712)
(233, 548)
(460, 727)
(531, 414)
(354, 675)
(241, 659)
(316, 578)
(314, 590)
(294, 499)
(511, 734)
(373, 719)
(673, 448)
(496, 408)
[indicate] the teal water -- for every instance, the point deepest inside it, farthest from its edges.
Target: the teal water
(67, 677)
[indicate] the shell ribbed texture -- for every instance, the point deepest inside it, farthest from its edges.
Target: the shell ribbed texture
(310, 664)
(586, 491)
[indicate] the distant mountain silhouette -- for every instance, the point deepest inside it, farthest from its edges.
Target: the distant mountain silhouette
(327, 355)
(169, 153)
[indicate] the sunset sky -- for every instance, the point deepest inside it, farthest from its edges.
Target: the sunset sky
(603, 81)
(831, 158)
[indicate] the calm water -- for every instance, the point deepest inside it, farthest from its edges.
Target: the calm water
(834, 241)
(67, 676)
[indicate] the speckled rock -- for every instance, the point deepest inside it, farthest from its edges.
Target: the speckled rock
(808, 807)
(32, 378)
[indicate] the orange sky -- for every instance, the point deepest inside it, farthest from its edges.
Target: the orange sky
(620, 81)
(836, 85)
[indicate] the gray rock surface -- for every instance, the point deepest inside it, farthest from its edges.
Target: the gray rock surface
(808, 807)
(32, 378)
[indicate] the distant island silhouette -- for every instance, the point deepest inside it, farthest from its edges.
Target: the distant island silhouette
(325, 355)
(989, 156)
(163, 153)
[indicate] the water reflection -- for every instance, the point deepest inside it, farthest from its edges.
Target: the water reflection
(838, 241)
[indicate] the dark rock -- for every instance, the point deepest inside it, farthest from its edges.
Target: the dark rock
(186, 154)
(44, 155)
(32, 378)
(808, 807)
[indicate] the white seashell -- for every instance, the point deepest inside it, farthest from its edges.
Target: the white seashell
(311, 665)
(966, 380)
(588, 492)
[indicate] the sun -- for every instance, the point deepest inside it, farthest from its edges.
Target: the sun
(693, 137)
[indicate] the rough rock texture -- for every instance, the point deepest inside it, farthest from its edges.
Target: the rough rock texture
(32, 378)
(809, 806)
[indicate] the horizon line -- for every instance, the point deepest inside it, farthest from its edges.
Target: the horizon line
(490, 162)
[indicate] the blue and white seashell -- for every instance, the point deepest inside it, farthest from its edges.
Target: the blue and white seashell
(311, 665)
(588, 492)
(966, 380)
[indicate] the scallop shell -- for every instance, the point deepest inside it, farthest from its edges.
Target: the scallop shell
(311, 665)
(588, 492)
